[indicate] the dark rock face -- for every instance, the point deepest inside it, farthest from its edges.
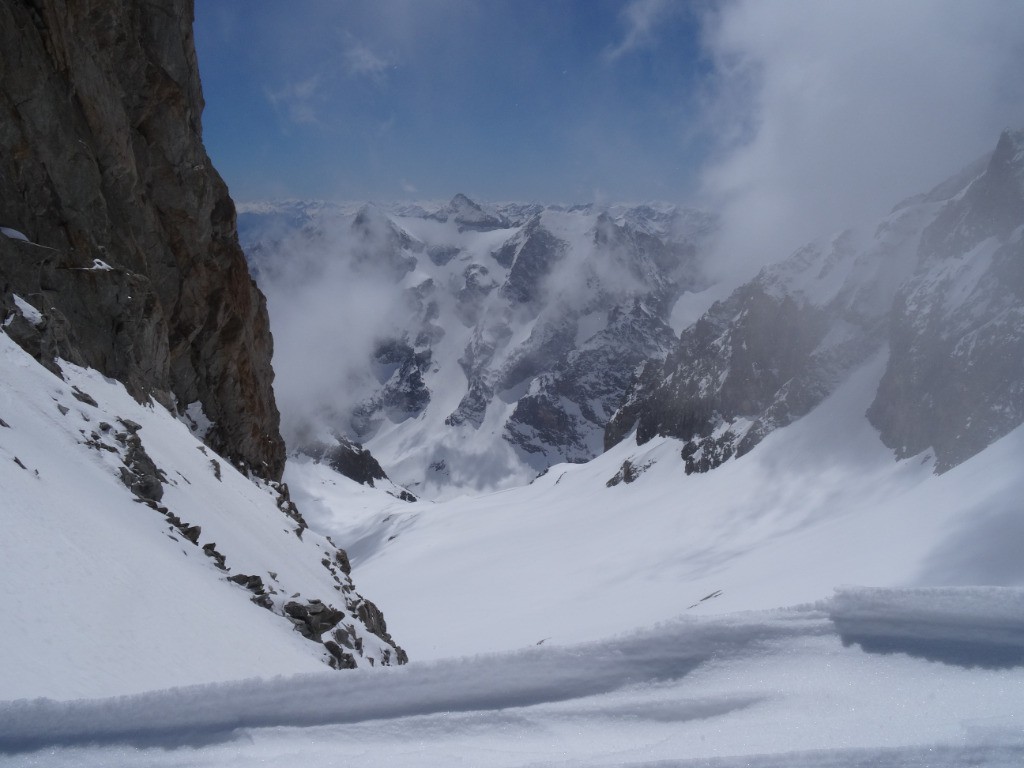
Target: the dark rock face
(139, 473)
(349, 459)
(469, 215)
(137, 271)
(400, 369)
(775, 348)
(531, 262)
(471, 297)
(731, 363)
(594, 377)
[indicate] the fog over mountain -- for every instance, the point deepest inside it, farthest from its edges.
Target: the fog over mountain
(729, 483)
(468, 348)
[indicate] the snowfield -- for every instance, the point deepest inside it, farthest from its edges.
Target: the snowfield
(101, 595)
(565, 623)
(819, 504)
(780, 688)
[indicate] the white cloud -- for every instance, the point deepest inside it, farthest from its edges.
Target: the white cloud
(296, 101)
(360, 61)
(830, 113)
(640, 18)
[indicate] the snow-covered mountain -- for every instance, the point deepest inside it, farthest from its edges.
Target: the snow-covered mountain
(938, 285)
(671, 590)
(524, 336)
(501, 340)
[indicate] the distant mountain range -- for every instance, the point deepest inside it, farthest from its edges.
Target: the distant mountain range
(531, 335)
(515, 332)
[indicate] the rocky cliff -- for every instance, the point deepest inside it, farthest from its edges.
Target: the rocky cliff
(131, 252)
(119, 253)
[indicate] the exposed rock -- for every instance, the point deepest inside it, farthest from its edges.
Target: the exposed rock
(371, 617)
(554, 324)
(314, 618)
(139, 473)
(442, 254)
(252, 583)
(403, 393)
(469, 215)
(627, 474)
(210, 550)
(102, 164)
(530, 261)
(287, 506)
(83, 397)
(131, 263)
(470, 298)
(347, 458)
(339, 658)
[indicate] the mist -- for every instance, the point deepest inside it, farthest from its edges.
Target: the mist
(825, 115)
(331, 298)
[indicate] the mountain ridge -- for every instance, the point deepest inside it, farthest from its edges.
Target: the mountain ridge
(491, 329)
(939, 280)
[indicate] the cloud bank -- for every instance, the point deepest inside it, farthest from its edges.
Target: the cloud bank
(827, 114)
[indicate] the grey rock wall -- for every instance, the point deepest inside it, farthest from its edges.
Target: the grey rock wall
(102, 165)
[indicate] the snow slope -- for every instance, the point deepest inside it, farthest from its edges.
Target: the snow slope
(630, 625)
(821, 503)
(102, 594)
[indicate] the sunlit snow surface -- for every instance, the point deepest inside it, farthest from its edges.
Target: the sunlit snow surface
(817, 505)
(565, 623)
(779, 688)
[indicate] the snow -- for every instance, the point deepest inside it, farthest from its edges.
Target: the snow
(29, 312)
(101, 596)
(689, 308)
(563, 623)
(13, 234)
(312, 294)
(572, 560)
(764, 689)
(195, 418)
(815, 602)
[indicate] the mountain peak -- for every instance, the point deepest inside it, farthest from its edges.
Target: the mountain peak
(461, 201)
(469, 215)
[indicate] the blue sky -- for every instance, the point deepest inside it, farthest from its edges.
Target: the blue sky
(530, 99)
(792, 118)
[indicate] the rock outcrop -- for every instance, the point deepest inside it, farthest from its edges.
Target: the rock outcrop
(132, 256)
